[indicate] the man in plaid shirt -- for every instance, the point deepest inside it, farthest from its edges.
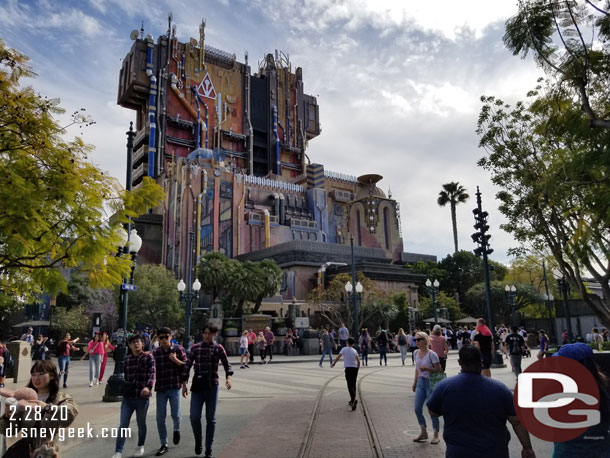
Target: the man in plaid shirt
(204, 358)
(139, 368)
(169, 359)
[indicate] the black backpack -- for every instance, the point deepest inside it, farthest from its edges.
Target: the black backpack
(402, 340)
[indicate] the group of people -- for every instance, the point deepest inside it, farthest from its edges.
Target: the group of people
(263, 341)
(166, 370)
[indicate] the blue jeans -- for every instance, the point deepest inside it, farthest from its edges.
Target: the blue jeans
(423, 392)
(94, 367)
(327, 351)
(173, 396)
(63, 363)
(128, 406)
(210, 399)
(383, 349)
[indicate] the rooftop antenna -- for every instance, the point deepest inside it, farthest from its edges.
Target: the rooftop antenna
(170, 17)
(246, 57)
(142, 31)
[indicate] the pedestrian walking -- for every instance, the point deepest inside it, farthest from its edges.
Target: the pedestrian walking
(243, 350)
(351, 363)
(261, 343)
(343, 335)
(204, 358)
(270, 338)
(483, 341)
(544, 343)
(327, 345)
(595, 441)
(5, 358)
(365, 346)
(28, 336)
(516, 346)
(382, 346)
(40, 349)
(251, 343)
(426, 362)
(475, 409)
(108, 347)
(402, 341)
(169, 359)
(438, 344)
(63, 355)
(54, 410)
(413, 346)
(139, 370)
(95, 350)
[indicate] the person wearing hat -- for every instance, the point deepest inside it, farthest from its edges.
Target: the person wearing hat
(595, 441)
(28, 336)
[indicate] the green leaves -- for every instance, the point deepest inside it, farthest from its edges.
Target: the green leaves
(54, 212)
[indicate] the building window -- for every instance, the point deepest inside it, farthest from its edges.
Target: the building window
(359, 230)
(386, 227)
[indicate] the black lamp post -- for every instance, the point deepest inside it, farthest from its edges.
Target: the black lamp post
(131, 245)
(190, 295)
(564, 287)
(433, 289)
(511, 292)
(349, 289)
(354, 288)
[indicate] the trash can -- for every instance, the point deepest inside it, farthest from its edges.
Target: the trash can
(21, 352)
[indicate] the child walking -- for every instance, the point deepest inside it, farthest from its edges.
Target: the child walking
(351, 362)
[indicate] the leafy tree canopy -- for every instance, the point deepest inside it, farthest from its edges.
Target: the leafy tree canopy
(553, 172)
(54, 202)
(156, 299)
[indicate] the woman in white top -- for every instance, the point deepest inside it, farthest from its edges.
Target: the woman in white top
(243, 350)
(426, 362)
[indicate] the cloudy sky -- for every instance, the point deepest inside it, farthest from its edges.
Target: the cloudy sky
(398, 83)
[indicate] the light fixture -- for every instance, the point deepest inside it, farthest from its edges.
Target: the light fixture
(428, 283)
(349, 287)
(135, 241)
(181, 286)
(436, 284)
(196, 285)
(359, 288)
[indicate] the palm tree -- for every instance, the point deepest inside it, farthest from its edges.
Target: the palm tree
(453, 193)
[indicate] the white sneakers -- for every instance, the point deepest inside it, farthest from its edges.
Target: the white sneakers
(90, 384)
(95, 381)
(117, 455)
(139, 451)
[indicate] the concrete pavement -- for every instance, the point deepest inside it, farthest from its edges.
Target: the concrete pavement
(269, 409)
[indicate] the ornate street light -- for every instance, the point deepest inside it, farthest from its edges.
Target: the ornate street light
(433, 289)
(511, 292)
(129, 243)
(192, 293)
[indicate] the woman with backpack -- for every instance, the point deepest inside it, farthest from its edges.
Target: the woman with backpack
(365, 346)
(382, 346)
(402, 345)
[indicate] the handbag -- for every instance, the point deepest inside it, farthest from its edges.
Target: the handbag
(436, 377)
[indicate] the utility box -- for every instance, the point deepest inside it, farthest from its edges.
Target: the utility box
(21, 352)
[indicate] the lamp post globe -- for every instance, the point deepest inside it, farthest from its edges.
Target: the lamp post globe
(181, 286)
(196, 285)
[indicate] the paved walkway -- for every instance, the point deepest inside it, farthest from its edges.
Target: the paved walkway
(269, 409)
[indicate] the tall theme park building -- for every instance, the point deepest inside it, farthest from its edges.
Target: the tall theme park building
(229, 149)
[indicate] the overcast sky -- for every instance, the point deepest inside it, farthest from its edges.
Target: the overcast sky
(398, 84)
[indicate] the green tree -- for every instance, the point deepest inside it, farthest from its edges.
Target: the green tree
(246, 284)
(475, 303)
(453, 193)
(54, 202)
(156, 300)
(552, 169)
(215, 272)
(270, 279)
(73, 320)
(426, 307)
(569, 41)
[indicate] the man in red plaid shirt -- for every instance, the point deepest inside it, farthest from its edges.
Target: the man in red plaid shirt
(169, 359)
(139, 368)
(204, 358)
